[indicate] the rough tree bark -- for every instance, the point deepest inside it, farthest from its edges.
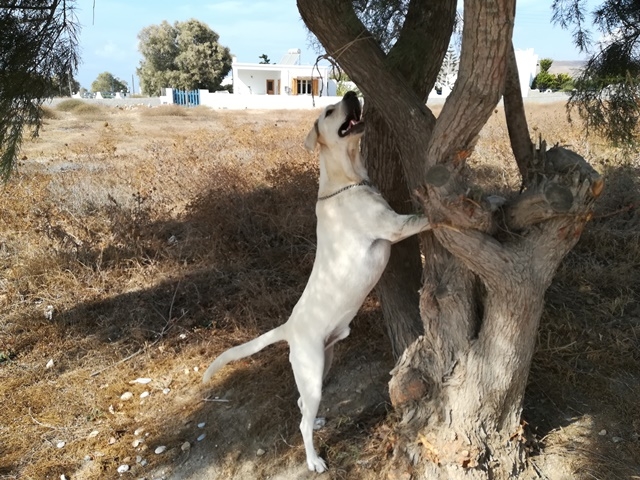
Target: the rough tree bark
(459, 387)
(416, 56)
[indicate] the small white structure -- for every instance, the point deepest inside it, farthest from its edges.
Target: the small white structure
(285, 78)
(527, 64)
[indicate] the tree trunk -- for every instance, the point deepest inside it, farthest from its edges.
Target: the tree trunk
(424, 38)
(398, 287)
(458, 388)
(461, 406)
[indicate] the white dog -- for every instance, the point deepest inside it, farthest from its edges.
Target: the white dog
(356, 228)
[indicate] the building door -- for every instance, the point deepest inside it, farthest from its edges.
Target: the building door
(270, 89)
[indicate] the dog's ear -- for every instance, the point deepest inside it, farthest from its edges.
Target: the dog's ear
(312, 138)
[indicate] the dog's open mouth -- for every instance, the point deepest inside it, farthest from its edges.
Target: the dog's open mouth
(351, 126)
(353, 123)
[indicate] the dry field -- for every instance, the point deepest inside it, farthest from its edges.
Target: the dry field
(140, 243)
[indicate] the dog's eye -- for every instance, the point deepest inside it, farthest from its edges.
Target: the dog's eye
(329, 112)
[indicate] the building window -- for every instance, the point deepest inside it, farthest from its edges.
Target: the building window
(304, 86)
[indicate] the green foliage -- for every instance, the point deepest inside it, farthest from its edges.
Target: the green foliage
(343, 83)
(184, 55)
(38, 45)
(545, 80)
(106, 82)
(69, 105)
(545, 65)
(264, 59)
(607, 93)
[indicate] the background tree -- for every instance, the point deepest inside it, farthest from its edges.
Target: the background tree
(545, 64)
(264, 59)
(106, 82)
(38, 45)
(606, 93)
(564, 82)
(65, 85)
(184, 55)
(458, 387)
(544, 79)
(449, 69)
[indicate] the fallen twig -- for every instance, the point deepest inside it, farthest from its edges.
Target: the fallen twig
(40, 423)
(220, 400)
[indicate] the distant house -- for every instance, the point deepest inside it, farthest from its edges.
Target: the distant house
(527, 61)
(285, 78)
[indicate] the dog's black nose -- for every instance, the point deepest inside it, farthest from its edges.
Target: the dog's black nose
(349, 94)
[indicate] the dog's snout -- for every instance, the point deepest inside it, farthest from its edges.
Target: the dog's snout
(351, 101)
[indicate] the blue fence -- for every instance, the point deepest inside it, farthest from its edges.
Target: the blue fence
(189, 98)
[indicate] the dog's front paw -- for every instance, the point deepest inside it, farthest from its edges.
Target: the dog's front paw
(316, 464)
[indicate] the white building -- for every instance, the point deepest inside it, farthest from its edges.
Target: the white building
(289, 85)
(285, 78)
(527, 68)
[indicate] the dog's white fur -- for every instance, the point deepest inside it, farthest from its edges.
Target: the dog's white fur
(355, 230)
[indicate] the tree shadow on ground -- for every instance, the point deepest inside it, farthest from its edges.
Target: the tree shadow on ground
(586, 370)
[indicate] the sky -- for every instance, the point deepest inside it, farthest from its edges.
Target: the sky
(109, 34)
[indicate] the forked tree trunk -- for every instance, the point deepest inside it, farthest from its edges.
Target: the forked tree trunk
(466, 423)
(459, 387)
(416, 56)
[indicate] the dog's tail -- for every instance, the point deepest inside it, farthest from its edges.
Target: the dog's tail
(244, 350)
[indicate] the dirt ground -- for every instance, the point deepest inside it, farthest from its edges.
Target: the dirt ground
(138, 243)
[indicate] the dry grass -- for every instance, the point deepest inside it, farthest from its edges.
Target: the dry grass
(80, 108)
(165, 236)
(165, 111)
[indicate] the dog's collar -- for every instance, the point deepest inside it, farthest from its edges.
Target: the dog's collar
(361, 184)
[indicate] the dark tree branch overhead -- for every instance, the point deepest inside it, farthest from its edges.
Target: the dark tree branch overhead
(425, 35)
(345, 38)
(38, 50)
(606, 94)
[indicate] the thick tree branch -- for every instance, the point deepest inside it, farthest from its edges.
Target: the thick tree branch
(521, 144)
(558, 177)
(345, 38)
(417, 54)
(486, 34)
(479, 252)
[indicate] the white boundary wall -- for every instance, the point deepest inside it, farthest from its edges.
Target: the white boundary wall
(230, 101)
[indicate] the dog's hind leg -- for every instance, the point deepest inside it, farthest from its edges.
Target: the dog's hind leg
(307, 362)
(328, 360)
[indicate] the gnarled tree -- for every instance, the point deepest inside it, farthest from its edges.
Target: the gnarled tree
(459, 386)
